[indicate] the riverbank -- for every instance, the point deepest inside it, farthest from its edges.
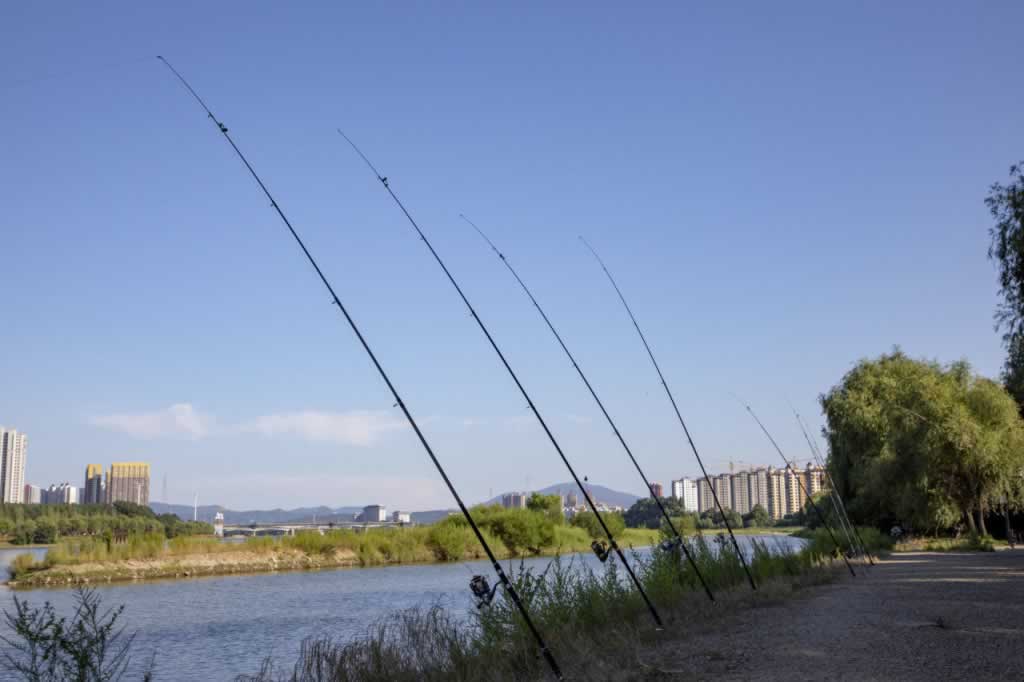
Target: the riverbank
(917, 616)
(86, 562)
(914, 616)
(593, 620)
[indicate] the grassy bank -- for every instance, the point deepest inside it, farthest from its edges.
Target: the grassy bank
(820, 540)
(969, 543)
(594, 621)
(90, 560)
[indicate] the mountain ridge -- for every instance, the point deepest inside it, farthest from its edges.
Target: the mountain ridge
(232, 517)
(599, 493)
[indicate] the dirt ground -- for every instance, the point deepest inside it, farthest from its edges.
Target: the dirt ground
(914, 616)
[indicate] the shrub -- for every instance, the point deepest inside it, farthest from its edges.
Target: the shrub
(449, 541)
(589, 522)
(22, 564)
(43, 646)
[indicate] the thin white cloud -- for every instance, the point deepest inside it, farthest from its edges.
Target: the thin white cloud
(406, 493)
(360, 427)
(180, 420)
(348, 428)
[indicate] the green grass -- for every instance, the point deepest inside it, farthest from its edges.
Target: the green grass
(372, 547)
(821, 543)
(592, 619)
(969, 543)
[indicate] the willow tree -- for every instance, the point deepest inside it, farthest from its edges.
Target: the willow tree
(1006, 248)
(921, 444)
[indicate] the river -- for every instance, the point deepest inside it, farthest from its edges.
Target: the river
(218, 627)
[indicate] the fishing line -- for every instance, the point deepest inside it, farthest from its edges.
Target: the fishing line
(679, 415)
(680, 542)
(479, 584)
(803, 488)
(843, 514)
(602, 550)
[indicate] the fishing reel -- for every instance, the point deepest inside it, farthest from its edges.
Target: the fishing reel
(601, 549)
(670, 545)
(482, 590)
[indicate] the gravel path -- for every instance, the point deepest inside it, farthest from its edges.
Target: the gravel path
(914, 616)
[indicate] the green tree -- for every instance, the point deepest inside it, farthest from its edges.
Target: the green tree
(549, 505)
(1006, 248)
(921, 444)
(757, 518)
(132, 509)
(645, 512)
(46, 531)
(588, 521)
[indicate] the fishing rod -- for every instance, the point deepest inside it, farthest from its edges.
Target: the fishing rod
(835, 491)
(679, 415)
(600, 549)
(481, 590)
(837, 502)
(803, 488)
(855, 547)
(668, 519)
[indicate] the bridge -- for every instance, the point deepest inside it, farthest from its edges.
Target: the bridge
(279, 529)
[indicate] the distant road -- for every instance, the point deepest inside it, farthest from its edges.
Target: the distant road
(915, 616)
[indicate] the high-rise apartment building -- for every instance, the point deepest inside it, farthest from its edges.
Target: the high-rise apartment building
(776, 494)
(657, 490)
(12, 465)
(514, 500)
(685, 490)
(33, 494)
(795, 495)
(94, 489)
(740, 485)
(723, 489)
(128, 482)
(815, 480)
(705, 500)
(759, 489)
(63, 493)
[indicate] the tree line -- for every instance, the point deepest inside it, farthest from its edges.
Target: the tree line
(24, 524)
(645, 513)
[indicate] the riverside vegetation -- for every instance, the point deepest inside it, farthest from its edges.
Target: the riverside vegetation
(593, 619)
(540, 529)
(24, 524)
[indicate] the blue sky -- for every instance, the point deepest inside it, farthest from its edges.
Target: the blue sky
(781, 189)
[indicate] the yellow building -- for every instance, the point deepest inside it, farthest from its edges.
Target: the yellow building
(128, 482)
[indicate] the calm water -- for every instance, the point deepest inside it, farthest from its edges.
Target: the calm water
(217, 628)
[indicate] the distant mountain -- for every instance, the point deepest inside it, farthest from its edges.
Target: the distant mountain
(302, 514)
(232, 517)
(598, 493)
(324, 514)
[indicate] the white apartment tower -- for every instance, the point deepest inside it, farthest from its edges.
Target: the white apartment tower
(741, 493)
(705, 500)
(723, 489)
(12, 465)
(685, 490)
